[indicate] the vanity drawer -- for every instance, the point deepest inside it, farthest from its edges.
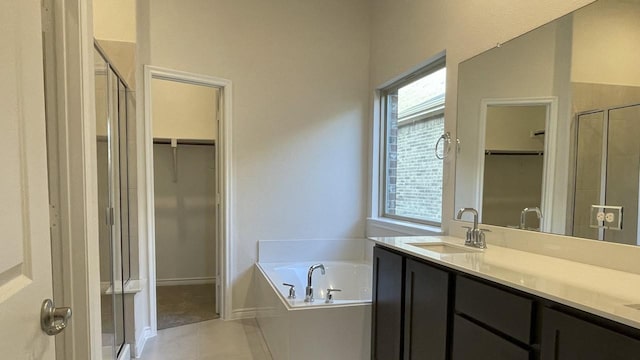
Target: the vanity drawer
(499, 309)
(471, 341)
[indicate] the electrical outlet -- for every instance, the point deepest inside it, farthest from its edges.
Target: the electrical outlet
(610, 217)
(606, 217)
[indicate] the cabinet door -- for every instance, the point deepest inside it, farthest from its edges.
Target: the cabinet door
(426, 310)
(388, 290)
(565, 337)
(501, 310)
(472, 342)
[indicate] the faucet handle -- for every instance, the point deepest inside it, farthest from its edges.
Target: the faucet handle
(480, 239)
(469, 235)
(329, 298)
(292, 290)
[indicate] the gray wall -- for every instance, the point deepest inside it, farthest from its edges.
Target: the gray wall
(185, 212)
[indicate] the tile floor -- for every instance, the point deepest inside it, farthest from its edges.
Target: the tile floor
(209, 340)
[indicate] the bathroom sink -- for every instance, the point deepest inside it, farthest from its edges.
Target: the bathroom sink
(444, 248)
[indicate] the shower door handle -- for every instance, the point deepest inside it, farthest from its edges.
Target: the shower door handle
(53, 320)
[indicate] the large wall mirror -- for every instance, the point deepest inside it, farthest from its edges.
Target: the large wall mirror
(549, 127)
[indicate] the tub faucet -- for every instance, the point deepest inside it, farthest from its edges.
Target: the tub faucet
(523, 215)
(475, 236)
(309, 289)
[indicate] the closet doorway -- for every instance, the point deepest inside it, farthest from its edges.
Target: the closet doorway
(186, 177)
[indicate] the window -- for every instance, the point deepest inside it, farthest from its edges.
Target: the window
(413, 121)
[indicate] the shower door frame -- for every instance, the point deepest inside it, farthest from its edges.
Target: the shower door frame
(223, 185)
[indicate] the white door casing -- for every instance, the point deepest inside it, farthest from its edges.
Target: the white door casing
(548, 176)
(223, 185)
(25, 255)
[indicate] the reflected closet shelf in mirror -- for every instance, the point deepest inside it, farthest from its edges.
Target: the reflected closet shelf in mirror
(184, 141)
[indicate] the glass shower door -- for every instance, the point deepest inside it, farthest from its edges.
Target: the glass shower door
(623, 169)
(104, 229)
(116, 209)
(109, 137)
(588, 184)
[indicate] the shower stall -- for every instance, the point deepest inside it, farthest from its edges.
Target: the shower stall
(607, 173)
(113, 107)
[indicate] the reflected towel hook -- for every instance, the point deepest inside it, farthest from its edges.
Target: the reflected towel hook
(174, 148)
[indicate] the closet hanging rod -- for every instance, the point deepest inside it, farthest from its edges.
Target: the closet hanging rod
(185, 141)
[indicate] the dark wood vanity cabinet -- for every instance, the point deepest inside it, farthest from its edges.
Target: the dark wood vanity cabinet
(410, 308)
(565, 337)
(425, 311)
(491, 323)
(472, 341)
(388, 305)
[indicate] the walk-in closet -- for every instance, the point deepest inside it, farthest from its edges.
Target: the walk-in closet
(184, 136)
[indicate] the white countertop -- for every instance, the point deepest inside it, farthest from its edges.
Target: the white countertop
(596, 290)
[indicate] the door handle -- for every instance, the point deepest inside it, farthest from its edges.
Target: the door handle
(53, 320)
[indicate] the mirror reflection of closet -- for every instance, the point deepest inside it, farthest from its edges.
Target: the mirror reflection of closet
(184, 123)
(112, 147)
(513, 165)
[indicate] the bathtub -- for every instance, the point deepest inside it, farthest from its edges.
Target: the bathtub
(294, 329)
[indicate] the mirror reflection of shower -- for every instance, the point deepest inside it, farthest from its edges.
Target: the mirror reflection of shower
(607, 168)
(184, 122)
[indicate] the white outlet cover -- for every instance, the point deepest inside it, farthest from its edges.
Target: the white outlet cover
(607, 217)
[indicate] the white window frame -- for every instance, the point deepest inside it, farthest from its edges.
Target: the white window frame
(378, 218)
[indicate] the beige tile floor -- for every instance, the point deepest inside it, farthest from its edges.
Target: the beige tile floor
(209, 340)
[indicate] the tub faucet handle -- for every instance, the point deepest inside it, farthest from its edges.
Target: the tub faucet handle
(292, 290)
(329, 299)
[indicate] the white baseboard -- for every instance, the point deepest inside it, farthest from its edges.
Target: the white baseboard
(246, 313)
(141, 342)
(186, 281)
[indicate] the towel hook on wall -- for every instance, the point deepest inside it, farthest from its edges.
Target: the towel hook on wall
(446, 140)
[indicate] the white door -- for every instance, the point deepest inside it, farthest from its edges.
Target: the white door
(25, 251)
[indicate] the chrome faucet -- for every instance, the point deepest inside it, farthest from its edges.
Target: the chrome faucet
(475, 236)
(523, 215)
(308, 297)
